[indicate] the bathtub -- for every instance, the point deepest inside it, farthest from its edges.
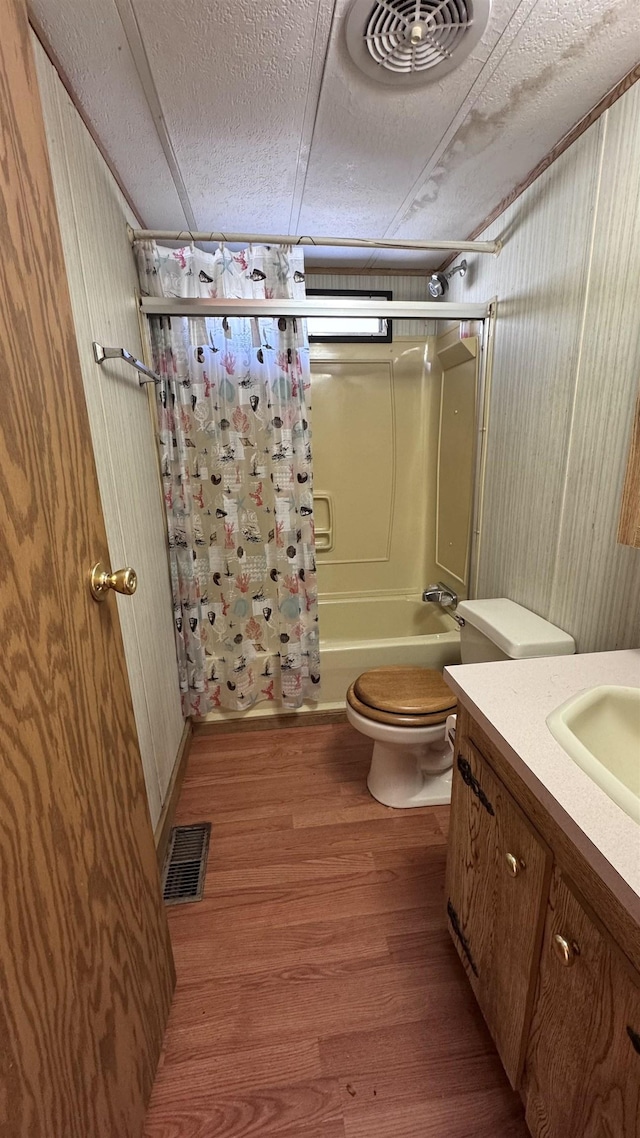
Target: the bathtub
(368, 633)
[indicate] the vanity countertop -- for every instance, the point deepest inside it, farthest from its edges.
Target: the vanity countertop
(511, 700)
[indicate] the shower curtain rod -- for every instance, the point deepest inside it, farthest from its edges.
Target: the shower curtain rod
(289, 239)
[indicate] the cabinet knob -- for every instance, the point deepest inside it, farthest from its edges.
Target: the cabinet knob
(565, 950)
(515, 864)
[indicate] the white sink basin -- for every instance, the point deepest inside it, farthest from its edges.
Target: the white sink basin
(600, 731)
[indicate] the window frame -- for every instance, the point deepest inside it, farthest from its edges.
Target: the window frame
(370, 294)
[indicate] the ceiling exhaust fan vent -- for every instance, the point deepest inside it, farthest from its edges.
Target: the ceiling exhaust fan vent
(410, 42)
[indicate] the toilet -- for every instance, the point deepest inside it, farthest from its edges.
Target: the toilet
(409, 711)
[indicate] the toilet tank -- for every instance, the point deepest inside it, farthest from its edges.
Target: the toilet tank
(499, 629)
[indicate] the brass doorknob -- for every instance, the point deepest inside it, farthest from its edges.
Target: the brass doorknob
(514, 864)
(565, 950)
(101, 581)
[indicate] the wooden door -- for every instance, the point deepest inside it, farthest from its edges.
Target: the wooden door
(86, 973)
(583, 1057)
(498, 872)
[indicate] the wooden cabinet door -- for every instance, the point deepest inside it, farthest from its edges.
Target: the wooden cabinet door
(583, 1055)
(498, 872)
(86, 973)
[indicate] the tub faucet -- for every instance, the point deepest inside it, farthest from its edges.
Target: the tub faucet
(441, 595)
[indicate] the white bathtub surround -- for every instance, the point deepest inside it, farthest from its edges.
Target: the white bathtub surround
(511, 701)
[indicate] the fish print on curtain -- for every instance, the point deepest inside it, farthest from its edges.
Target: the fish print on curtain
(235, 456)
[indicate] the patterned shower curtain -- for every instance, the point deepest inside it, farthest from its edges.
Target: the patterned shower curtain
(235, 454)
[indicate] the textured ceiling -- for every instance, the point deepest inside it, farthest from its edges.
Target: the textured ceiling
(232, 115)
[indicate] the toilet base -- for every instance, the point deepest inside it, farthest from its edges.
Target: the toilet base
(404, 777)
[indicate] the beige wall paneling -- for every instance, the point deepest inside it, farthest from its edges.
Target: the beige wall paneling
(375, 442)
(596, 588)
(540, 280)
(403, 288)
(565, 379)
(102, 281)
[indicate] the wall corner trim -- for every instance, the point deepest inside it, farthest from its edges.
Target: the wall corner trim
(168, 812)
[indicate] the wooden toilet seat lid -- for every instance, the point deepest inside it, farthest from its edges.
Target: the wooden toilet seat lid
(392, 717)
(405, 691)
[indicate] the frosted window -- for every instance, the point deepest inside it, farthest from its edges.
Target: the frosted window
(329, 326)
(354, 329)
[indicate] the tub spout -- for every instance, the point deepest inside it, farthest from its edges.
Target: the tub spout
(441, 594)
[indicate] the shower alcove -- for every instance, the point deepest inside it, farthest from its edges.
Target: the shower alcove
(395, 438)
(394, 429)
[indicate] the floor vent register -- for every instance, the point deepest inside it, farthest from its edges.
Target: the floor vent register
(185, 865)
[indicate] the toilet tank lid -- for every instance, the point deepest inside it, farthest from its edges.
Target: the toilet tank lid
(519, 633)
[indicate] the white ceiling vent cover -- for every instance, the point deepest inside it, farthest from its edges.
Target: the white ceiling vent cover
(409, 42)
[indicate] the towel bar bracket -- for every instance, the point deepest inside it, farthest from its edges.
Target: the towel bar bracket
(100, 354)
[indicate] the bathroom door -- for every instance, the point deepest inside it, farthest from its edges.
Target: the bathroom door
(86, 973)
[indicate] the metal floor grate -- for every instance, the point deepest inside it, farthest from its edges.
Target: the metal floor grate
(186, 864)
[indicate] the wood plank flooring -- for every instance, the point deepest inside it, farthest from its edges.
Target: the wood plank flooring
(318, 994)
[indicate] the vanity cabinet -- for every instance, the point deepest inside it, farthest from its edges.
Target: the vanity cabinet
(498, 871)
(583, 1053)
(551, 955)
